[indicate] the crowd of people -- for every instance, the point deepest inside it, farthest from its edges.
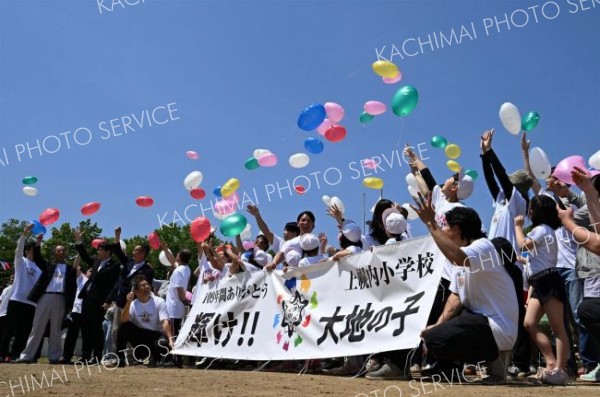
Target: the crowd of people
(495, 288)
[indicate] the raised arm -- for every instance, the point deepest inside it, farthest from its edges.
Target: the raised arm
(253, 210)
(83, 254)
(584, 182)
(581, 235)
(486, 147)
(21, 245)
(527, 165)
(118, 249)
(416, 164)
(168, 254)
(238, 243)
(37, 253)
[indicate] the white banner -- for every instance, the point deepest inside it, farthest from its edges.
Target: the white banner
(367, 303)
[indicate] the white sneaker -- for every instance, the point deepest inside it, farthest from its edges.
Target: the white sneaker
(556, 377)
(372, 365)
(593, 376)
(388, 371)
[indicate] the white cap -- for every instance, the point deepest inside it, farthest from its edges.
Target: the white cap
(395, 224)
(351, 231)
(309, 242)
(292, 258)
(261, 257)
(387, 212)
(465, 186)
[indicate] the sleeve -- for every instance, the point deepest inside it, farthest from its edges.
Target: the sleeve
(538, 235)
(84, 254)
(354, 249)
(277, 243)
(488, 173)
(482, 256)
(507, 186)
(38, 259)
(118, 251)
(582, 217)
(578, 199)
(177, 280)
(19, 252)
(428, 178)
(454, 283)
(162, 310)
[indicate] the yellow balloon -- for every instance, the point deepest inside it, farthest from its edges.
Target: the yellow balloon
(453, 165)
(230, 187)
(452, 151)
(385, 69)
(373, 183)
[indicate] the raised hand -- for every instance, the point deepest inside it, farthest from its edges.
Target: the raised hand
(424, 209)
(486, 140)
(519, 220)
(525, 143)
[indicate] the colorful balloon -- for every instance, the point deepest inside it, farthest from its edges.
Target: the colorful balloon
(530, 121)
(439, 142)
(233, 225)
(90, 208)
(258, 153)
(38, 228)
(154, 240)
(405, 100)
(334, 112)
(162, 258)
(313, 145)
(217, 191)
(248, 245)
(267, 160)
(393, 80)
(365, 117)
(144, 201)
(374, 108)
(540, 165)
(453, 166)
(311, 117)
(472, 173)
(335, 133)
(200, 229)
(192, 155)
(563, 169)
(96, 242)
(300, 189)
(373, 182)
(198, 193)
(193, 180)
(594, 160)
(30, 191)
(369, 164)
(230, 187)
(49, 216)
(452, 151)
(324, 126)
(510, 118)
(338, 203)
(30, 180)
(385, 69)
(251, 164)
(226, 206)
(299, 160)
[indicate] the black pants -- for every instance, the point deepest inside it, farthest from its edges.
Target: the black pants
(589, 315)
(465, 338)
(92, 343)
(175, 328)
(19, 319)
(143, 342)
(72, 334)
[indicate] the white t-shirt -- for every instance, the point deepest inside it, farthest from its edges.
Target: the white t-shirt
(486, 288)
(505, 211)
(149, 315)
(81, 280)
(26, 275)
(179, 278)
(4, 298)
(567, 247)
(57, 282)
(441, 206)
(311, 260)
(544, 253)
(354, 249)
(277, 243)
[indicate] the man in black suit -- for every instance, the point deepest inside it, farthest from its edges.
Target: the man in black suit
(54, 293)
(105, 273)
(132, 267)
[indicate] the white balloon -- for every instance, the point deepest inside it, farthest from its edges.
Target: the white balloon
(413, 192)
(193, 180)
(30, 191)
(510, 118)
(299, 160)
(326, 199)
(411, 181)
(258, 153)
(540, 165)
(246, 234)
(338, 203)
(412, 214)
(162, 258)
(595, 160)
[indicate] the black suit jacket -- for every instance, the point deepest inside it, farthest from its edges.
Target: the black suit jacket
(101, 282)
(70, 281)
(123, 286)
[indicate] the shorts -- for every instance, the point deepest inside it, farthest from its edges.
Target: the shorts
(549, 285)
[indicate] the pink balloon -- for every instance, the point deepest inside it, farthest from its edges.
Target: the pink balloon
(324, 126)
(248, 245)
(49, 216)
(370, 164)
(228, 205)
(563, 169)
(335, 112)
(154, 240)
(90, 208)
(191, 155)
(97, 241)
(144, 201)
(375, 108)
(393, 80)
(188, 296)
(267, 160)
(200, 229)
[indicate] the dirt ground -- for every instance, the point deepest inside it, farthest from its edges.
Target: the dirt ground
(58, 380)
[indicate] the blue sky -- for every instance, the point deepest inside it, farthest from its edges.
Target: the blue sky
(238, 73)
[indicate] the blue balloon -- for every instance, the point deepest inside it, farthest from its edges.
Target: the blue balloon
(312, 117)
(38, 228)
(313, 145)
(217, 191)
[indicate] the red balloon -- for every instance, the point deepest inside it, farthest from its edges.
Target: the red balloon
(299, 189)
(96, 242)
(90, 208)
(200, 229)
(154, 240)
(144, 201)
(198, 193)
(335, 133)
(49, 216)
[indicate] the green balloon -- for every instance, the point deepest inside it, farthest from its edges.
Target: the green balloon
(366, 117)
(405, 100)
(251, 164)
(29, 180)
(233, 225)
(472, 173)
(530, 121)
(439, 142)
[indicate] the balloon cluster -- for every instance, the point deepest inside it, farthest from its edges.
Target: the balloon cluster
(513, 122)
(28, 189)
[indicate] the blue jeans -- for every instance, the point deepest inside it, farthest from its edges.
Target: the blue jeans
(107, 329)
(574, 289)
